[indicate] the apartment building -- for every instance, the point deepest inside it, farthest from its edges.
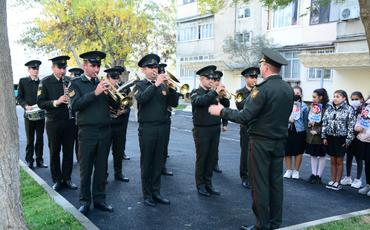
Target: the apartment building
(324, 44)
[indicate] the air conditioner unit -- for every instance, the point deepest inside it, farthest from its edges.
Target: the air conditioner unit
(349, 12)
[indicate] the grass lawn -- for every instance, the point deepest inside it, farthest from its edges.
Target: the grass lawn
(354, 223)
(40, 211)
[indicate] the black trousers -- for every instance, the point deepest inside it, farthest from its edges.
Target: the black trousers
(61, 135)
(94, 143)
(168, 132)
(125, 124)
(33, 127)
(244, 141)
(152, 140)
(117, 142)
(266, 177)
(75, 142)
(206, 146)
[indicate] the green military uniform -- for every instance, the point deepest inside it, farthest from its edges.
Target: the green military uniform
(266, 112)
(75, 73)
(206, 133)
(27, 95)
(59, 125)
(244, 136)
(153, 103)
(94, 134)
(119, 127)
(226, 103)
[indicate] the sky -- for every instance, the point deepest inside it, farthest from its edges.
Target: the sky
(19, 19)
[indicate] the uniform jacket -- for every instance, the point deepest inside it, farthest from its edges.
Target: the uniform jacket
(201, 99)
(339, 122)
(27, 91)
(266, 110)
(90, 110)
(51, 89)
(153, 102)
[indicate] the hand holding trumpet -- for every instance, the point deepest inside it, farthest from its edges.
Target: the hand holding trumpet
(101, 87)
(161, 78)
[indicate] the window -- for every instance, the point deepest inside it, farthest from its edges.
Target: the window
(244, 12)
(186, 73)
(286, 16)
(324, 12)
(244, 38)
(187, 1)
(194, 31)
(205, 31)
(317, 74)
(291, 71)
(187, 32)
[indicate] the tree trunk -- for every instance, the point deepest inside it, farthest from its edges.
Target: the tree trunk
(365, 18)
(11, 212)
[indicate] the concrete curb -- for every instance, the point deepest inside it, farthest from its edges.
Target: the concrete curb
(60, 200)
(326, 220)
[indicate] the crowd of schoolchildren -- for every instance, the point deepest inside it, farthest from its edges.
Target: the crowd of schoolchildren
(339, 128)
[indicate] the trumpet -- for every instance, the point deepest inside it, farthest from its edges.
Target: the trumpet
(239, 97)
(174, 84)
(128, 84)
(116, 95)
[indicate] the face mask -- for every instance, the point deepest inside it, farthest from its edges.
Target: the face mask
(297, 98)
(355, 104)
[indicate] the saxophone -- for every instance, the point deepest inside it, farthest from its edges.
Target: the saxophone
(66, 93)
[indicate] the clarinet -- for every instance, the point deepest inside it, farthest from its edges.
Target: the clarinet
(66, 93)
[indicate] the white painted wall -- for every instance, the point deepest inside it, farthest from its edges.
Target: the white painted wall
(352, 80)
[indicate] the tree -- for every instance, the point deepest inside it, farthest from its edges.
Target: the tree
(11, 217)
(215, 5)
(245, 54)
(120, 28)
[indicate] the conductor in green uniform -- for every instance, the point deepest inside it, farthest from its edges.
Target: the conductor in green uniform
(266, 112)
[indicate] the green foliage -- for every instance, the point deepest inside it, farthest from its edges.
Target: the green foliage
(40, 211)
(122, 29)
(244, 54)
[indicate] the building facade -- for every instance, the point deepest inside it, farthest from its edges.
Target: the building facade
(325, 45)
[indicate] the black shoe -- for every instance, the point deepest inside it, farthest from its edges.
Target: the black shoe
(212, 190)
(165, 172)
(68, 184)
(103, 206)
(149, 202)
(41, 165)
(57, 186)
(245, 227)
(245, 184)
(318, 180)
(160, 199)
(30, 165)
(217, 169)
(203, 191)
(312, 179)
(122, 178)
(125, 157)
(84, 209)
